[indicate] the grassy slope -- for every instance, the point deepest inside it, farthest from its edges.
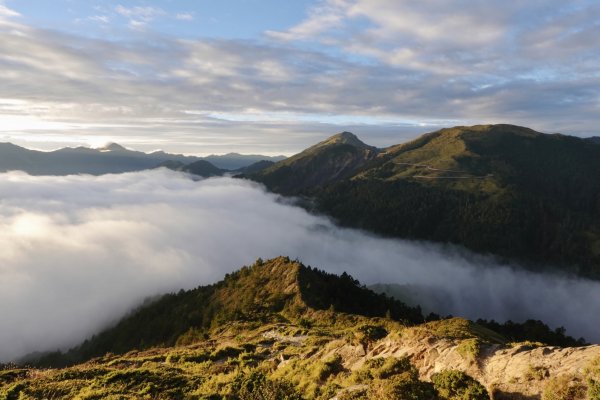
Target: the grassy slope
(250, 294)
(295, 360)
(279, 327)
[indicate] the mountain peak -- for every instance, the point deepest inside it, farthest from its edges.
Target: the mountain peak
(335, 158)
(264, 291)
(112, 147)
(345, 138)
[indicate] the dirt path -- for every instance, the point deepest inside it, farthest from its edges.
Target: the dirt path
(430, 168)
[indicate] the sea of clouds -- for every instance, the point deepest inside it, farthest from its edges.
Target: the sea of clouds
(78, 252)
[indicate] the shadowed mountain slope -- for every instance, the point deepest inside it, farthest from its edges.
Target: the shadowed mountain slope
(202, 168)
(499, 189)
(255, 167)
(235, 161)
(337, 158)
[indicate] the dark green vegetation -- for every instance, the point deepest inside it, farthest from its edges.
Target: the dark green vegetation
(274, 330)
(202, 168)
(500, 189)
(432, 300)
(206, 169)
(255, 167)
(534, 331)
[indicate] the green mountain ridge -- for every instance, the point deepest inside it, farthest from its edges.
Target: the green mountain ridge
(258, 293)
(510, 191)
(282, 330)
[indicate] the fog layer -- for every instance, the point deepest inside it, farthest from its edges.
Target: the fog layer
(77, 252)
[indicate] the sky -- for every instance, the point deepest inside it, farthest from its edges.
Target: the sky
(110, 241)
(273, 77)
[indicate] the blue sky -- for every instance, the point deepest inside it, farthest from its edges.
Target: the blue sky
(274, 77)
(182, 19)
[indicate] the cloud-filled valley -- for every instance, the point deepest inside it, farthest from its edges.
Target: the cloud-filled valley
(80, 251)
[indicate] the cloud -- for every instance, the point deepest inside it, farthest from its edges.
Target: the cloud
(527, 63)
(103, 19)
(185, 16)
(144, 13)
(137, 25)
(80, 251)
(461, 36)
(515, 50)
(139, 17)
(6, 12)
(324, 17)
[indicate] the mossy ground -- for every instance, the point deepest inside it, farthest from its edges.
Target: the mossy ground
(288, 358)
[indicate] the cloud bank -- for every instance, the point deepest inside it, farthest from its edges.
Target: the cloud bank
(80, 251)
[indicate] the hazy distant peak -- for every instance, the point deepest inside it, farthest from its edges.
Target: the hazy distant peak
(112, 147)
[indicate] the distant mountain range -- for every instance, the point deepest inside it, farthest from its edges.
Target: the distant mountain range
(501, 189)
(109, 159)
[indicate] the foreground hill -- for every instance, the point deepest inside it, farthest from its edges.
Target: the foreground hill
(281, 330)
(112, 158)
(499, 189)
(259, 293)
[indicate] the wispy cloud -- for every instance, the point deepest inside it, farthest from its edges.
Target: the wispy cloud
(140, 17)
(144, 13)
(137, 25)
(325, 17)
(185, 16)
(7, 12)
(104, 19)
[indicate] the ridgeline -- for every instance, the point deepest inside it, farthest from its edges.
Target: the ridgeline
(282, 330)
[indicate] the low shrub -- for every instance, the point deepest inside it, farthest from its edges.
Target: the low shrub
(456, 385)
